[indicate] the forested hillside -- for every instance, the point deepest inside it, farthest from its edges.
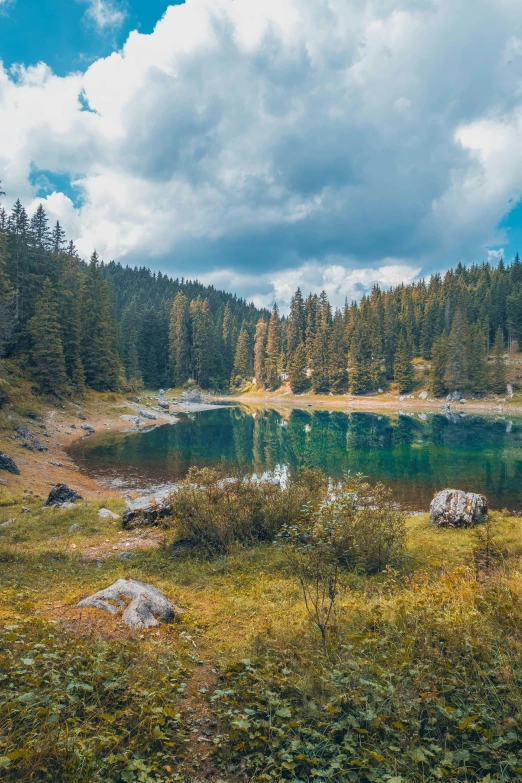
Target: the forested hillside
(74, 324)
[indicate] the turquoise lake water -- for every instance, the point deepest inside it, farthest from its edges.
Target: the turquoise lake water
(416, 454)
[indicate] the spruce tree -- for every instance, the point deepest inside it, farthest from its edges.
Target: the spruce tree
(242, 367)
(477, 361)
(299, 381)
(296, 324)
(47, 350)
(228, 333)
(202, 331)
(457, 373)
(260, 353)
(337, 357)
(498, 369)
(403, 368)
(179, 340)
(439, 360)
(99, 353)
(359, 364)
(320, 355)
(271, 371)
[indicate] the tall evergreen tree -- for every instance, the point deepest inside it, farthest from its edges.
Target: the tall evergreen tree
(403, 368)
(242, 366)
(320, 355)
(498, 370)
(337, 357)
(299, 381)
(478, 370)
(439, 360)
(47, 350)
(271, 370)
(202, 330)
(296, 333)
(260, 353)
(457, 372)
(179, 340)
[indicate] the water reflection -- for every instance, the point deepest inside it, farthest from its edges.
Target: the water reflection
(415, 456)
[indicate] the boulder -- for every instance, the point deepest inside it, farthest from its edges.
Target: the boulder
(163, 404)
(87, 428)
(147, 510)
(61, 494)
(131, 419)
(143, 605)
(455, 508)
(8, 463)
(148, 415)
(423, 395)
(192, 396)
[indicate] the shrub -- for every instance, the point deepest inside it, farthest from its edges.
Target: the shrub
(217, 511)
(4, 392)
(358, 527)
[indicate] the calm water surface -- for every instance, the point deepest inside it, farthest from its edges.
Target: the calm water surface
(415, 455)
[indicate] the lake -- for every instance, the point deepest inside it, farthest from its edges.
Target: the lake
(415, 454)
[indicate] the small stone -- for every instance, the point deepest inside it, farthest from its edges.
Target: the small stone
(73, 528)
(26, 510)
(462, 401)
(107, 514)
(88, 428)
(8, 523)
(148, 415)
(56, 464)
(423, 395)
(125, 555)
(81, 416)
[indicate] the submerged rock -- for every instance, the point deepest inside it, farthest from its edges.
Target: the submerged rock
(61, 494)
(8, 463)
(143, 606)
(455, 508)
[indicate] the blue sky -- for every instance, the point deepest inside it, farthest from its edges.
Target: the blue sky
(265, 145)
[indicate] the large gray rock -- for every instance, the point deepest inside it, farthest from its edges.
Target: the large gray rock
(8, 463)
(141, 603)
(148, 415)
(454, 508)
(192, 396)
(62, 494)
(147, 510)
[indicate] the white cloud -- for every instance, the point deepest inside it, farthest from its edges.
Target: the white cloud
(283, 141)
(104, 14)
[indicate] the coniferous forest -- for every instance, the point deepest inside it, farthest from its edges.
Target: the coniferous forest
(74, 324)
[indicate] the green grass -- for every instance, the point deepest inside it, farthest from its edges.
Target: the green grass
(422, 680)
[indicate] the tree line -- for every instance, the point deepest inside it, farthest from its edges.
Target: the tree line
(74, 324)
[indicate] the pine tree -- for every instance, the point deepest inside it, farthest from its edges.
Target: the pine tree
(299, 381)
(457, 374)
(337, 357)
(98, 339)
(228, 339)
(320, 354)
(260, 353)
(360, 361)
(242, 368)
(202, 329)
(271, 371)
(6, 299)
(47, 349)
(498, 370)
(403, 368)
(296, 332)
(179, 340)
(477, 361)
(439, 360)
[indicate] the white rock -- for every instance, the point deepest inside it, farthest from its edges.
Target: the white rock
(423, 395)
(105, 513)
(455, 508)
(146, 603)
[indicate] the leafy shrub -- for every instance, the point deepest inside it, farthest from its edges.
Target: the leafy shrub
(4, 392)
(358, 527)
(73, 709)
(212, 510)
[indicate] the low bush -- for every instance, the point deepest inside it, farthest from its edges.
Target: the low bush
(216, 511)
(359, 527)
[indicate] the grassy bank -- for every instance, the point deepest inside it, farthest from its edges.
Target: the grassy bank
(422, 679)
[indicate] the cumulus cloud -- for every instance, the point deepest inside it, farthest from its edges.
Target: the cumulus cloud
(104, 14)
(316, 142)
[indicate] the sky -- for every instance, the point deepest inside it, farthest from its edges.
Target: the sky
(258, 146)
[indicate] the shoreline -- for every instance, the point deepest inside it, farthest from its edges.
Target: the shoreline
(62, 428)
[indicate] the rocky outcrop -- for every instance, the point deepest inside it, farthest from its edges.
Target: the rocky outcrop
(454, 508)
(143, 605)
(192, 396)
(61, 494)
(148, 415)
(8, 463)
